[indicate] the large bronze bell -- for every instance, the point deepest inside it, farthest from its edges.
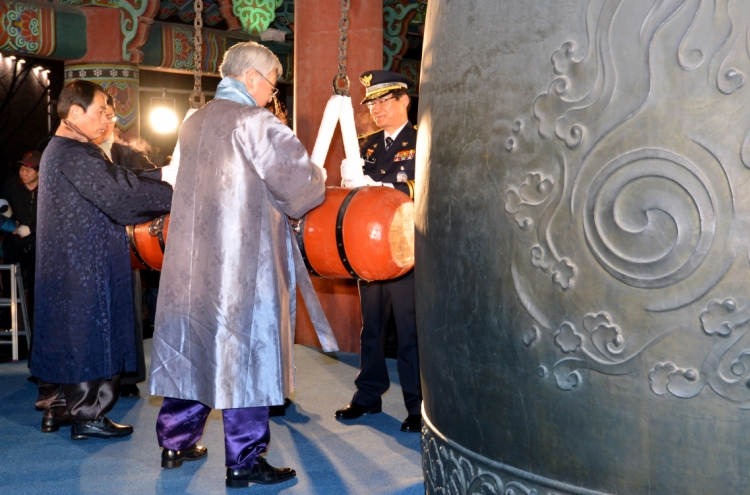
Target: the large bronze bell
(582, 247)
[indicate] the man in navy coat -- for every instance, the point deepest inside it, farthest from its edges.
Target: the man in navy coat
(388, 156)
(84, 335)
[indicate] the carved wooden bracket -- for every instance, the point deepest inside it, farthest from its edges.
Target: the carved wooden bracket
(136, 18)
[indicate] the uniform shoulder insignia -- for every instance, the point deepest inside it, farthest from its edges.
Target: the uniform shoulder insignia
(368, 134)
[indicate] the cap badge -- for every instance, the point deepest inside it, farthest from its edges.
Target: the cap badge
(366, 80)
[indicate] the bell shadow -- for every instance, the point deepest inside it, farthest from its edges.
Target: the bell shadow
(348, 358)
(179, 480)
(307, 433)
(292, 416)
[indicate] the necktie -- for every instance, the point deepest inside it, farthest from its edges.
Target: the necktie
(388, 142)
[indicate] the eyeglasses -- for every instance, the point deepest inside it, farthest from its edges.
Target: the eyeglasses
(275, 89)
(379, 101)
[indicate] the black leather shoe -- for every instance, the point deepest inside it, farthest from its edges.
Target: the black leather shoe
(173, 458)
(262, 473)
(413, 423)
(53, 419)
(130, 390)
(279, 410)
(104, 428)
(354, 410)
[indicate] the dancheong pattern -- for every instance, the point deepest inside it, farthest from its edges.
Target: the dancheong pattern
(120, 81)
(27, 28)
(177, 48)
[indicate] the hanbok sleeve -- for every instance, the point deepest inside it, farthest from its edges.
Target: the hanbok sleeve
(282, 162)
(131, 158)
(126, 197)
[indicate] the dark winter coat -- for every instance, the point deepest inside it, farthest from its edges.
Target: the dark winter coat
(84, 306)
(394, 165)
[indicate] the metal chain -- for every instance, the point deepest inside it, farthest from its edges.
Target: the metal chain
(197, 98)
(343, 44)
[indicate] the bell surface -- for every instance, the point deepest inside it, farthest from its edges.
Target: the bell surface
(582, 266)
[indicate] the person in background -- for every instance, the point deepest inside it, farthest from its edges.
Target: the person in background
(120, 153)
(83, 326)
(388, 158)
(20, 246)
(125, 156)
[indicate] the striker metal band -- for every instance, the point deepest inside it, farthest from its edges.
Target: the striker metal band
(299, 236)
(133, 249)
(340, 234)
(156, 229)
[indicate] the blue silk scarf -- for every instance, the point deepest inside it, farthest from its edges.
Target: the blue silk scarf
(234, 90)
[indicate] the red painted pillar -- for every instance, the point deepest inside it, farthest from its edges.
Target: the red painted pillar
(316, 46)
(104, 65)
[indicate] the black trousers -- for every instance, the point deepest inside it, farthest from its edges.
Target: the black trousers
(132, 378)
(86, 401)
(377, 300)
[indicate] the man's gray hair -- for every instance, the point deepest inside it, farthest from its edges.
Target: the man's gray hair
(249, 55)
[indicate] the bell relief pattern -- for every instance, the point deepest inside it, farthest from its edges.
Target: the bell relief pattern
(632, 223)
(450, 469)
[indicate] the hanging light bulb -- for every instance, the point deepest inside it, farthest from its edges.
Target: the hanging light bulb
(163, 118)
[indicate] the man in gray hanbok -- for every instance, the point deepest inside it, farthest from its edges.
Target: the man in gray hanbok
(223, 334)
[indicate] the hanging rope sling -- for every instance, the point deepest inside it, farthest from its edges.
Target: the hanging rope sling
(339, 109)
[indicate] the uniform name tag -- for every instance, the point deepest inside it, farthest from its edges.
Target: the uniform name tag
(404, 155)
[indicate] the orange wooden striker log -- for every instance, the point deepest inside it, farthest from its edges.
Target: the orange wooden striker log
(365, 233)
(147, 242)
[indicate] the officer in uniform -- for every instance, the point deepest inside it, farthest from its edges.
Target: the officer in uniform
(388, 156)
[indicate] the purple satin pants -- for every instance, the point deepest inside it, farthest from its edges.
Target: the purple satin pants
(246, 434)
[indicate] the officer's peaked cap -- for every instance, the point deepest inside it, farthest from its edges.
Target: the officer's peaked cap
(381, 82)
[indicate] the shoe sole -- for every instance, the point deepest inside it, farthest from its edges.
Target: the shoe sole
(178, 462)
(245, 484)
(84, 436)
(372, 410)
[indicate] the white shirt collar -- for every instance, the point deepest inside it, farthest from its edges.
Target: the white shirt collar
(393, 136)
